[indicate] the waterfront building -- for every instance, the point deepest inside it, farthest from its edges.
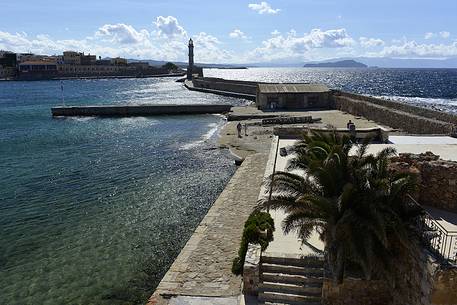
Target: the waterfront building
(118, 61)
(8, 59)
(87, 60)
(292, 96)
(72, 58)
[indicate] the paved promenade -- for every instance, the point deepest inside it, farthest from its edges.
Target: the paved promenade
(203, 268)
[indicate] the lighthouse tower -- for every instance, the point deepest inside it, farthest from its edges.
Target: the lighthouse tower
(190, 68)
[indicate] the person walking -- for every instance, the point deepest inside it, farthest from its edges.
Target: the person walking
(238, 128)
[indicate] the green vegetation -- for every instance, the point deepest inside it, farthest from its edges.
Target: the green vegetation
(257, 223)
(170, 66)
(359, 207)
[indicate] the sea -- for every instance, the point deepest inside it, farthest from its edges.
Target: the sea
(95, 210)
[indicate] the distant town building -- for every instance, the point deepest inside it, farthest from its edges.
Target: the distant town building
(292, 96)
(29, 66)
(8, 63)
(118, 61)
(8, 59)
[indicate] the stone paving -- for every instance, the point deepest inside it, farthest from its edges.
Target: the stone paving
(203, 268)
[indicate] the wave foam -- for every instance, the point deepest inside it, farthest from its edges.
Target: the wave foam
(208, 135)
(441, 104)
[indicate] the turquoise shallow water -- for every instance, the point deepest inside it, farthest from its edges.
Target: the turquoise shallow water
(94, 210)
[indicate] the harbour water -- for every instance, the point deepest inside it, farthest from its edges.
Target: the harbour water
(93, 211)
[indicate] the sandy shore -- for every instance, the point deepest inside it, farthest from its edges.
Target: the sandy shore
(258, 138)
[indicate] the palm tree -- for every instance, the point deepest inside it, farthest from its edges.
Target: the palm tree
(358, 207)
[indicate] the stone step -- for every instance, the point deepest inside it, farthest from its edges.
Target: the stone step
(316, 262)
(292, 279)
(274, 297)
(288, 303)
(302, 303)
(303, 290)
(293, 270)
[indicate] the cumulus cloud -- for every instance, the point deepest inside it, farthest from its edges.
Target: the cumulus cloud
(370, 42)
(292, 45)
(442, 34)
(122, 33)
(445, 34)
(275, 33)
(238, 34)
(412, 49)
(263, 8)
(169, 27)
(429, 35)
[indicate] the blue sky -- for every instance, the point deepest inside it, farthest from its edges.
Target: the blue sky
(234, 31)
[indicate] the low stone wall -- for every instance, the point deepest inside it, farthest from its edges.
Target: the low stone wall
(220, 84)
(437, 180)
(424, 112)
(251, 270)
(408, 118)
(444, 291)
(356, 292)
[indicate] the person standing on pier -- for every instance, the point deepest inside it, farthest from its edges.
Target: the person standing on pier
(238, 128)
(245, 129)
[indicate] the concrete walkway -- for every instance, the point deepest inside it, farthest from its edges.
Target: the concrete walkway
(283, 243)
(203, 268)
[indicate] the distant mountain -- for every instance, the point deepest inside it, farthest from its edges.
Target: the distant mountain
(184, 64)
(349, 63)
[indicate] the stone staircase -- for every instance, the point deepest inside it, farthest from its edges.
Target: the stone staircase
(290, 280)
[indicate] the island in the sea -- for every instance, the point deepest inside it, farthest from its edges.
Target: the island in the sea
(337, 64)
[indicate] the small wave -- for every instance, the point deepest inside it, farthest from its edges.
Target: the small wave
(208, 135)
(81, 118)
(441, 104)
(138, 121)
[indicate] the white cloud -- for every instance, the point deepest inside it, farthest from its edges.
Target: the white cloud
(412, 49)
(169, 27)
(429, 35)
(370, 42)
(442, 34)
(445, 34)
(293, 46)
(263, 8)
(275, 33)
(122, 33)
(208, 49)
(238, 34)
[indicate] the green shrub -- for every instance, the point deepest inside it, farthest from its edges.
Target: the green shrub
(257, 222)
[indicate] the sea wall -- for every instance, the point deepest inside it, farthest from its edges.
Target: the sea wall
(138, 110)
(396, 115)
(425, 112)
(237, 86)
(437, 179)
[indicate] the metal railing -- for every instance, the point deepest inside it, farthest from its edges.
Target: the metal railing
(439, 240)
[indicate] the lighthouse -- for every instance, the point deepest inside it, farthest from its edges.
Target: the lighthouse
(190, 68)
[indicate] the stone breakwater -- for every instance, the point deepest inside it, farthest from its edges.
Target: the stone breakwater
(408, 118)
(203, 268)
(138, 110)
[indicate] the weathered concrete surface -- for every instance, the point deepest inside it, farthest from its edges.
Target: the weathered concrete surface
(259, 137)
(231, 93)
(203, 268)
(138, 110)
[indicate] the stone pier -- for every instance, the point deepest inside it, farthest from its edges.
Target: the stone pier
(202, 271)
